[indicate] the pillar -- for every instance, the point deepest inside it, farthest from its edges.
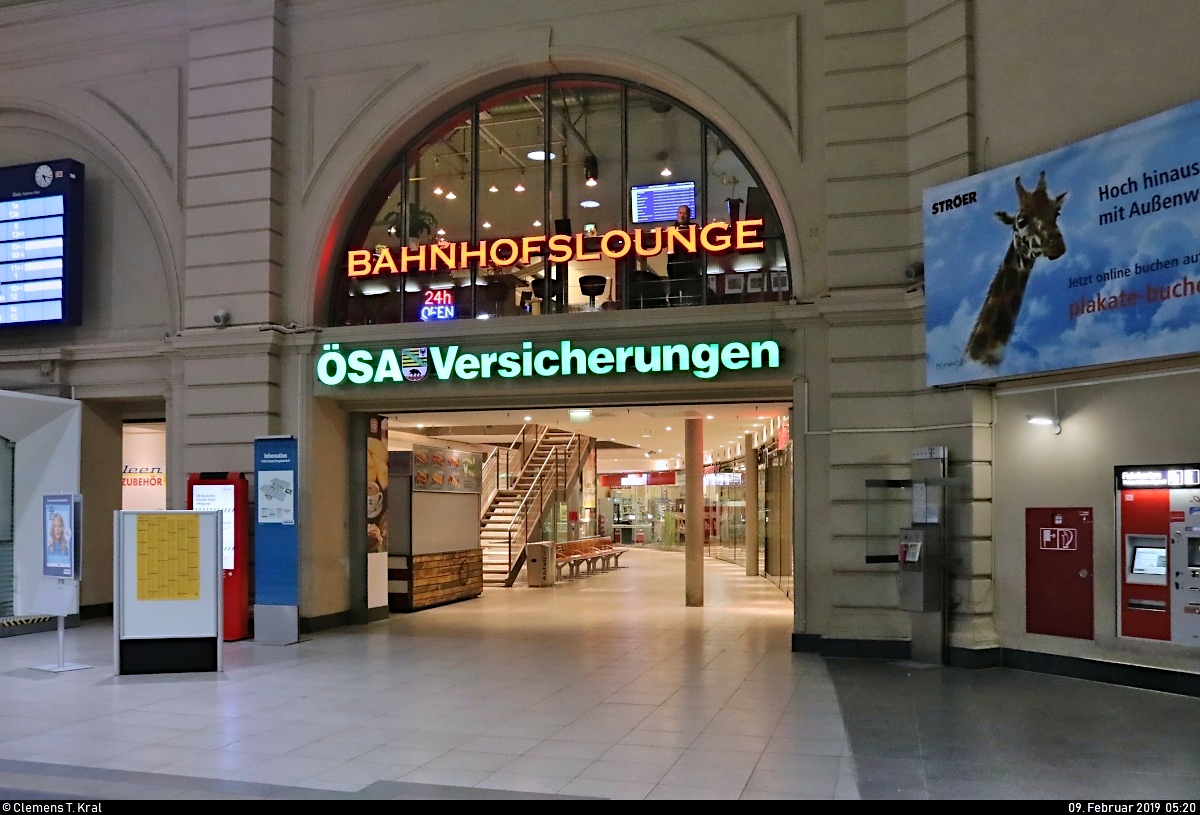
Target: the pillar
(693, 466)
(751, 484)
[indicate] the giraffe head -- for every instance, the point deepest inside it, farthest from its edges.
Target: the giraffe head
(1035, 226)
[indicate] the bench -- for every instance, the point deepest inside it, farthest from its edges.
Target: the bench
(589, 552)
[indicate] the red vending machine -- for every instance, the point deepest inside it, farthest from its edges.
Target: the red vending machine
(1158, 509)
(229, 493)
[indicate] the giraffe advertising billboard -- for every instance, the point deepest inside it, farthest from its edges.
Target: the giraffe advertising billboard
(1086, 255)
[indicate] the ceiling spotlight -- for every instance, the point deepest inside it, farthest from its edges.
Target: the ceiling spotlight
(591, 170)
(710, 417)
(484, 316)
(668, 427)
(392, 229)
(486, 225)
(493, 188)
(589, 204)
(665, 172)
(529, 418)
(539, 155)
(520, 187)
(420, 426)
(450, 196)
(537, 223)
(437, 190)
(441, 232)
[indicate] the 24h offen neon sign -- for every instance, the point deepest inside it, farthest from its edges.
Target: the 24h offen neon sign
(705, 360)
(615, 244)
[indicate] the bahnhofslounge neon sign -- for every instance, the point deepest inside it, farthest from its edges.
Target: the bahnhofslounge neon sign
(362, 366)
(715, 238)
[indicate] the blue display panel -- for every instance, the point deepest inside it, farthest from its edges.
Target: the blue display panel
(659, 203)
(41, 243)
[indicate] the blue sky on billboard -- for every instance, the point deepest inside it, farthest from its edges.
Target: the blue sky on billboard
(1112, 295)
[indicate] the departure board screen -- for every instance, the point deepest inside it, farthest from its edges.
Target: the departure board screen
(41, 234)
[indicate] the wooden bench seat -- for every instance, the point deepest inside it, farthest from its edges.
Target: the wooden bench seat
(591, 553)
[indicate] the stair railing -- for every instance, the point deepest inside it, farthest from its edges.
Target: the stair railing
(518, 527)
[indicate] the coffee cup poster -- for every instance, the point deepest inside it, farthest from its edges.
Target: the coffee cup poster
(1086, 255)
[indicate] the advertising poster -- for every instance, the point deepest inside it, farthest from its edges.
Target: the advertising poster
(58, 532)
(1086, 255)
(436, 469)
(377, 484)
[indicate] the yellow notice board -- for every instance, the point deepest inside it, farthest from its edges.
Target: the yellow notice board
(168, 557)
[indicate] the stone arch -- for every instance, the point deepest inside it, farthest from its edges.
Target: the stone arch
(342, 183)
(81, 119)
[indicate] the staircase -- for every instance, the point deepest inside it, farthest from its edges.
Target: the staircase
(554, 458)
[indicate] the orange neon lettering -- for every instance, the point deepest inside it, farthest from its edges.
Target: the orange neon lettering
(747, 231)
(723, 241)
(615, 254)
(407, 257)
(466, 255)
(641, 250)
(527, 247)
(508, 244)
(580, 254)
(560, 248)
(358, 262)
(446, 254)
(675, 235)
(386, 261)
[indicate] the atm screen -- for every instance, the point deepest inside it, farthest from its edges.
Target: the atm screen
(1149, 560)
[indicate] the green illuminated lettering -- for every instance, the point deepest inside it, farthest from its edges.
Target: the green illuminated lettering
(527, 358)
(541, 357)
(770, 349)
(624, 354)
(735, 355)
(569, 355)
(706, 360)
(359, 363)
(443, 366)
(486, 361)
(654, 365)
(388, 367)
(600, 360)
(510, 364)
(467, 366)
(673, 353)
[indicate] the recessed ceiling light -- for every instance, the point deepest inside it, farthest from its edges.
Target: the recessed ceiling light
(579, 415)
(441, 232)
(420, 426)
(539, 155)
(537, 223)
(665, 172)
(486, 225)
(437, 190)
(710, 417)
(529, 418)
(519, 188)
(589, 204)
(668, 427)
(450, 196)
(493, 188)
(591, 182)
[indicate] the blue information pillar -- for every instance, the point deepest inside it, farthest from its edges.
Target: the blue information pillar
(276, 542)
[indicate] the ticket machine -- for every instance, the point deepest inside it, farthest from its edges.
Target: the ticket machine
(1159, 526)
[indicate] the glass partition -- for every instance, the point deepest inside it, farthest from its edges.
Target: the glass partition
(571, 194)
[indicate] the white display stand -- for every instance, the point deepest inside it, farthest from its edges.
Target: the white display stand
(59, 597)
(167, 603)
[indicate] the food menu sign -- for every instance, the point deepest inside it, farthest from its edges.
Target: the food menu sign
(436, 469)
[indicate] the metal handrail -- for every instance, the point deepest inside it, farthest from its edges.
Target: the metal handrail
(521, 508)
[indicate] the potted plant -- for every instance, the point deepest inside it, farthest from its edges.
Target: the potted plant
(420, 222)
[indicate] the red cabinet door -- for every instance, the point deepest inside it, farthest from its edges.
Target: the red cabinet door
(1058, 571)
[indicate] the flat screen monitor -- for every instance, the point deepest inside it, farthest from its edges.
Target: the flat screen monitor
(41, 243)
(1149, 560)
(658, 203)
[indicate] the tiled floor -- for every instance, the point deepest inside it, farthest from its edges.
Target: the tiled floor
(603, 687)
